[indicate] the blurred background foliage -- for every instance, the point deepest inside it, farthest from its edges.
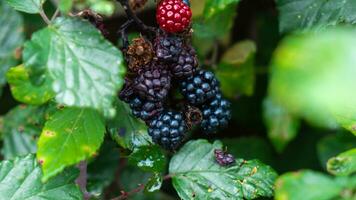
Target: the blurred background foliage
(289, 76)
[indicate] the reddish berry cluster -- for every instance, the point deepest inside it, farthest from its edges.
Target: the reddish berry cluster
(173, 16)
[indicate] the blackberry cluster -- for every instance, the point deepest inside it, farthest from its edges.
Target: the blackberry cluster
(161, 65)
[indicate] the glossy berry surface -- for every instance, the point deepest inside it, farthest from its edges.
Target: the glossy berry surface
(216, 114)
(186, 64)
(144, 109)
(223, 158)
(168, 129)
(173, 16)
(168, 48)
(200, 88)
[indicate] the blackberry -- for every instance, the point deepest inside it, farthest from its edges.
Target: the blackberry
(216, 114)
(186, 63)
(141, 108)
(168, 129)
(200, 87)
(153, 83)
(223, 158)
(168, 48)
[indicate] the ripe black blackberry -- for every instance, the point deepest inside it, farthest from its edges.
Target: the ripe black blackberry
(216, 114)
(223, 158)
(186, 63)
(200, 87)
(168, 48)
(141, 108)
(168, 129)
(153, 83)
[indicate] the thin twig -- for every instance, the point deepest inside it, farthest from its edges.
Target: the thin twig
(55, 15)
(125, 195)
(123, 33)
(44, 16)
(131, 15)
(82, 179)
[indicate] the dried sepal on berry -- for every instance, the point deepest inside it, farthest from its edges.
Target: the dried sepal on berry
(95, 19)
(139, 54)
(193, 116)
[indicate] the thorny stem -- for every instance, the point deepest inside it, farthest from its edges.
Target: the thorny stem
(82, 179)
(44, 17)
(125, 195)
(130, 14)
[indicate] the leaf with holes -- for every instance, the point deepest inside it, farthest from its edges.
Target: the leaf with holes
(86, 69)
(11, 37)
(69, 136)
(148, 158)
(28, 6)
(343, 164)
(319, 14)
(21, 128)
(127, 130)
(196, 174)
(20, 179)
(24, 91)
(154, 183)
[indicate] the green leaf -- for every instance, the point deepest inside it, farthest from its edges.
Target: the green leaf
(148, 158)
(196, 174)
(65, 6)
(24, 91)
(87, 70)
(69, 136)
(236, 70)
(308, 85)
(343, 164)
(250, 148)
(20, 179)
(334, 144)
(127, 130)
(213, 7)
(154, 183)
(101, 172)
(21, 128)
(282, 126)
(318, 14)
(306, 185)
(11, 37)
(27, 6)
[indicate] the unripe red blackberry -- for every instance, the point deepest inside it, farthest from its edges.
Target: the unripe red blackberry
(153, 83)
(173, 16)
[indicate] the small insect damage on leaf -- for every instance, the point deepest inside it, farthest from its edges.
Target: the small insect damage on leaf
(49, 133)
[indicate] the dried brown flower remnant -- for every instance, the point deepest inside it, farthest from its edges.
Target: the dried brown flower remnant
(139, 54)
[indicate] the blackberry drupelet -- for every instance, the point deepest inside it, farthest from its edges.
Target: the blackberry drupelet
(216, 114)
(200, 87)
(168, 48)
(141, 108)
(223, 158)
(186, 63)
(153, 83)
(168, 129)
